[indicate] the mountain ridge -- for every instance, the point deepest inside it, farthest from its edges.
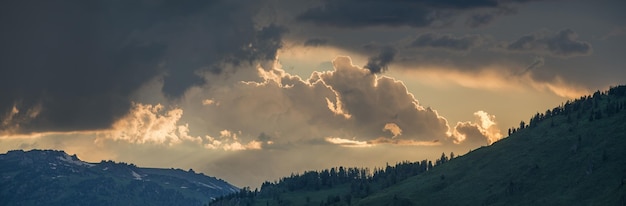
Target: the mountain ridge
(54, 177)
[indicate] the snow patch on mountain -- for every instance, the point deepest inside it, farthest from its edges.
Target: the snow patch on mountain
(213, 186)
(137, 176)
(67, 158)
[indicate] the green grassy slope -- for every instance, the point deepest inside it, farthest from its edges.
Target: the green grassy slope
(575, 160)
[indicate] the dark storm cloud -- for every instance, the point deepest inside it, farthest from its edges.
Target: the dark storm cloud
(447, 42)
(315, 42)
(564, 43)
(266, 43)
(72, 65)
(477, 20)
(537, 62)
(416, 13)
(378, 64)
(481, 19)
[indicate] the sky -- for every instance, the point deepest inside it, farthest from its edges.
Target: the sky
(250, 91)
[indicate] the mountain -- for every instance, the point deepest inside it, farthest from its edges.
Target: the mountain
(573, 154)
(48, 177)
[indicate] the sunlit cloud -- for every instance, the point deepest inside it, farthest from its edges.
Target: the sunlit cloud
(301, 60)
(487, 122)
(484, 129)
(12, 120)
(337, 108)
(153, 125)
(347, 142)
(207, 102)
(8, 120)
(232, 145)
(561, 88)
(150, 124)
(405, 142)
(393, 128)
(346, 103)
(493, 78)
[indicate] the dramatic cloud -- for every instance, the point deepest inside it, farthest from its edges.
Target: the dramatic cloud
(538, 62)
(148, 124)
(393, 128)
(564, 43)
(480, 19)
(228, 141)
(348, 142)
(348, 106)
(374, 102)
(447, 42)
(200, 84)
(421, 13)
(378, 64)
(77, 63)
(157, 126)
(484, 131)
(496, 79)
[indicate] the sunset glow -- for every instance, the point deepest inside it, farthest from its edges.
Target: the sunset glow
(298, 85)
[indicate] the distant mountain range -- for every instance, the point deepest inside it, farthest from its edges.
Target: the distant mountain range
(48, 177)
(573, 154)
